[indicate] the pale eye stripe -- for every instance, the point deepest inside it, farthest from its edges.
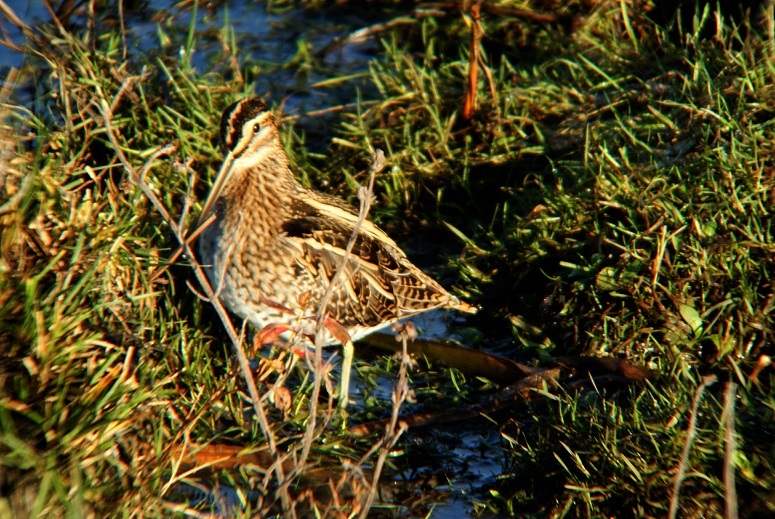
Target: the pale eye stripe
(239, 116)
(245, 131)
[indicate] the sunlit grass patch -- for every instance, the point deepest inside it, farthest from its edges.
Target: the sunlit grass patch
(632, 217)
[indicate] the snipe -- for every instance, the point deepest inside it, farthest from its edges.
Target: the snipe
(273, 240)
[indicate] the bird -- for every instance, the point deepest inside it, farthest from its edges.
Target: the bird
(270, 246)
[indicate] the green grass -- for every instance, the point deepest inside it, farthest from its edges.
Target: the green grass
(612, 196)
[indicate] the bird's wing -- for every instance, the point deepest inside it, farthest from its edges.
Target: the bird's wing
(380, 284)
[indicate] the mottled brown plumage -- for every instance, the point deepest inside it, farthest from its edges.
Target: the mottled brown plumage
(273, 240)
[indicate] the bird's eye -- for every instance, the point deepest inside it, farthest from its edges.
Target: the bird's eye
(256, 128)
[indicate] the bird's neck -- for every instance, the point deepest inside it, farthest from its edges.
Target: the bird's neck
(260, 194)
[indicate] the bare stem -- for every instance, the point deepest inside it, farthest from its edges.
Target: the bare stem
(690, 434)
(366, 197)
(394, 430)
(730, 451)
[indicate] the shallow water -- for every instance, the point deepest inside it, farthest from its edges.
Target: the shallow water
(265, 41)
(30, 12)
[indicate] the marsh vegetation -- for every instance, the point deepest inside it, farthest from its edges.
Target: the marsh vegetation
(600, 186)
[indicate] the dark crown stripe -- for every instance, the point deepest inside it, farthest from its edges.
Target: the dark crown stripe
(234, 119)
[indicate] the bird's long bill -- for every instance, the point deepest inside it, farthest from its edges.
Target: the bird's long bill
(215, 191)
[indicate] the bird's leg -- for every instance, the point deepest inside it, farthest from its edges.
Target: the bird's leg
(347, 363)
(341, 336)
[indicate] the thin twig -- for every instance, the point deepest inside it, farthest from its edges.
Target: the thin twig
(730, 451)
(190, 239)
(366, 33)
(691, 432)
(16, 199)
(657, 264)
(126, 84)
(192, 177)
(514, 12)
(490, 84)
(394, 430)
(329, 110)
(366, 197)
(469, 106)
(123, 27)
(11, 15)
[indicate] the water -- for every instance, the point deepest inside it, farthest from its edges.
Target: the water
(265, 42)
(30, 12)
